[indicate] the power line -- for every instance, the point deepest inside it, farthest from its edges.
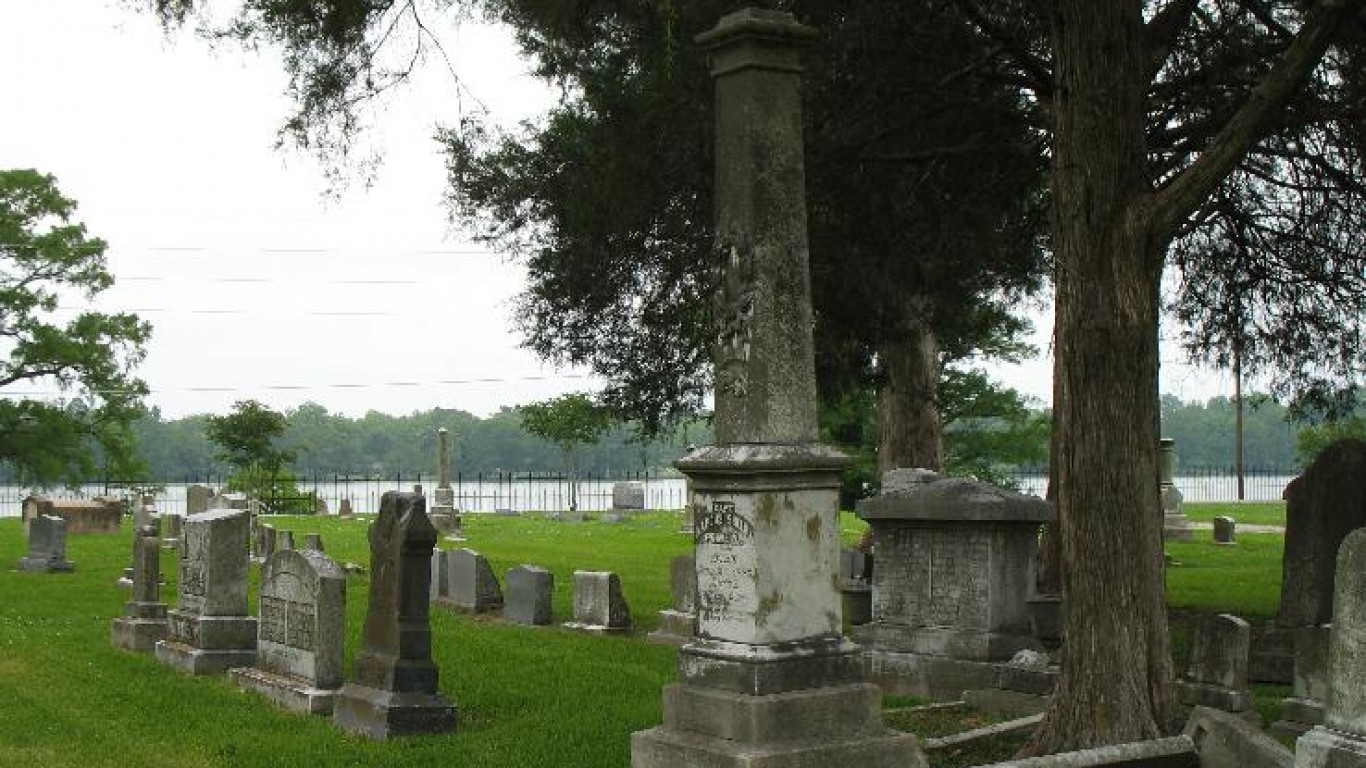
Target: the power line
(306, 387)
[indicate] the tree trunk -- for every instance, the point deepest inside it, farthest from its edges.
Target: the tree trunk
(1116, 683)
(910, 431)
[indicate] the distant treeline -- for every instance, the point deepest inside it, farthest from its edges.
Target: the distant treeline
(1204, 432)
(378, 443)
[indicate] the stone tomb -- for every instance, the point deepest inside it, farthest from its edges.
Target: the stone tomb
(528, 595)
(46, 546)
(210, 631)
(301, 639)
(955, 559)
(628, 496)
(394, 681)
(81, 515)
(599, 605)
(470, 583)
(678, 625)
(144, 621)
(1341, 741)
(1217, 674)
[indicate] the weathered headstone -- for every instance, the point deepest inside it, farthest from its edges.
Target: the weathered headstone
(150, 522)
(1217, 674)
(313, 541)
(599, 605)
(529, 591)
(270, 541)
(197, 499)
(1224, 531)
(345, 509)
(320, 506)
(301, 640)
(394, 687)
(1303, 709)
(172, 525)
(1341, 741)
(144, 621)
(678, 623)
(628, 496)
(46, 546)
(770, 679)
(1175, 524)
(471, 585)
(1321, 507)
(210, 631)
(439, 586)
(284, 540)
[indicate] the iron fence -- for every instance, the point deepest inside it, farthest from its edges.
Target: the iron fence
(1195, 483)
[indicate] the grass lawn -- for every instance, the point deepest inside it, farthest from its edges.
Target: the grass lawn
(526, 696)
(1245, 512)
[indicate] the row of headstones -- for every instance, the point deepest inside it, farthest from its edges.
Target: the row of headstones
(463, 579)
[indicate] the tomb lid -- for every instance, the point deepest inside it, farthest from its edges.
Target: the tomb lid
(919, 494)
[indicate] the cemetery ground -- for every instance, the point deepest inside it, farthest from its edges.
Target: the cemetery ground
(527, 696)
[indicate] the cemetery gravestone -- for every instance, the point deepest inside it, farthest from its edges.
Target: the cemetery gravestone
(440, 583)
(210, 631)
(856, 588)
(1224, 531)
(1321, 507)
(171, 527)
(678, 624)
(301, 638)
(1340, 742)
(46, 546)
(471, 585)
(197, 499)
(144, 621)
(1217, 674)
(770, 678)
(1303, 709)
(345, 509)
(444, 515)
(599, 605)
(284, 540)
(96, 515)
(529, 591)
(394, 688)
(628, 496)
(313, 541)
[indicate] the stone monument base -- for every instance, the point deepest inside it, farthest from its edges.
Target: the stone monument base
(380, 714)
(815, 727)
(43, 564)
(1298, 717)
(139, 635)
(1216, 697)
(945, 679)
(289, 692)
(198, 661)
(1324, 747)
(946, 642)
(675, 628)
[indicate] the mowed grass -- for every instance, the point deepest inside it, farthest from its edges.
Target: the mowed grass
(1242, 512)
(526, 696)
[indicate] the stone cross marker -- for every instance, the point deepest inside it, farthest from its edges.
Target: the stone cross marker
(765, 497)
(46, 546)
(529, 591)
(394, 688)
(144, 621)
(210, 631)
(1341, 741)
(599, 605)
(302, 632)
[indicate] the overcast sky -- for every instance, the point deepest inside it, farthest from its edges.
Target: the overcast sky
(257, 284)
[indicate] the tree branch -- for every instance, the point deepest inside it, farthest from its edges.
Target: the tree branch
(1249, 124)
(1161, 32)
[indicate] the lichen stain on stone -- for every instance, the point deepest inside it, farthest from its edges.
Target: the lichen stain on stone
(813, 528)
(767, 604)
(765, 509)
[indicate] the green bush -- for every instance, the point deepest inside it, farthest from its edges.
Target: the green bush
(277, 491)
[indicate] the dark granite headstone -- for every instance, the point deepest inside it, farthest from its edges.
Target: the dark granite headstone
(46, 546)
(1321, 507)
(394, 691)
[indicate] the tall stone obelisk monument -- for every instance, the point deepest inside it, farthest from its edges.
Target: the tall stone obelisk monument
(770, 679)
